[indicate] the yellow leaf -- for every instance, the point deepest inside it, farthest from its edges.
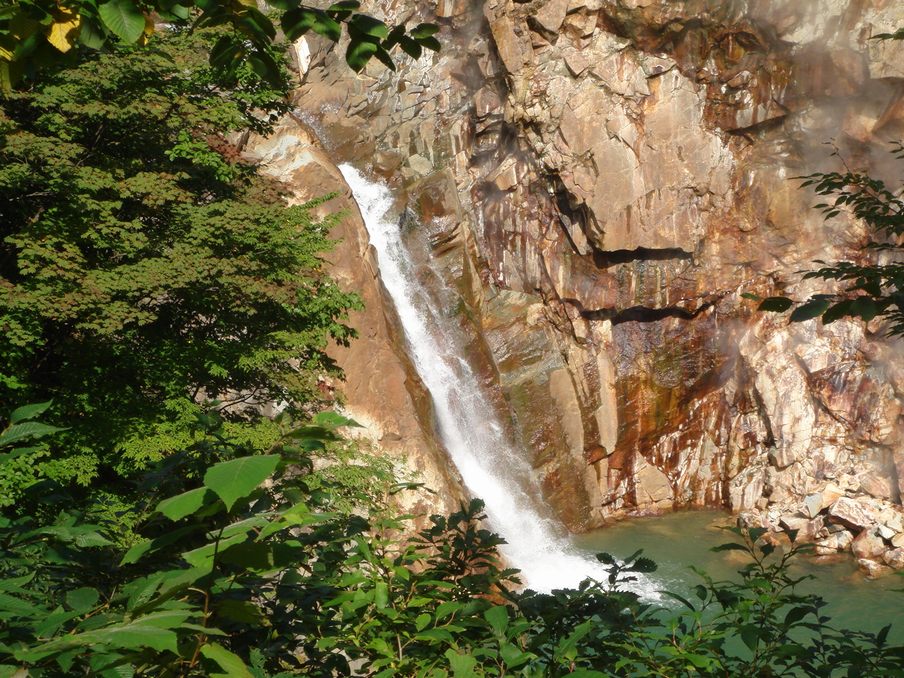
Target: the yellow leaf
(64, 30)
(148, 31)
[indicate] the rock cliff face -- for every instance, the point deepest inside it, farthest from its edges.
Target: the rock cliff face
(380, 390)
(599, 181)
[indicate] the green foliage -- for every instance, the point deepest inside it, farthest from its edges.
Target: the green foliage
(248, 573)
(35, 34)
(144, 268)
(871, 288)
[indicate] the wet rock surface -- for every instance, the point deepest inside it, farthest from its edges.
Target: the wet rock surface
(597, 182)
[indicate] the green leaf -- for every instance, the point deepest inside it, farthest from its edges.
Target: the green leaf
(16, 583)
(241, 611)
(363, 25)
(381, 595)
(123, 18)
(236, 479)
(383, 56)
(225, 53)
(839, 310)
(410, 47)
(812, 309)
(750, 634)
(27, 429)
(202, 557)
(422, 31)
(462, 665)
(644, 565)
(331, 419)
(90, 34)
(180, 12)
(864, 307)
(681, 599)
(730, 546)
(125, 636)
(298, 21)
(185, 504)
(430, 43)
(83, 599)
(795, 614)
(139, 550)
(421, 622)
(28, 412)
(344, 6)
(232, 664)
(498, 618)
(359, 53)
(775, 304)
(328, 28)
(17, 606)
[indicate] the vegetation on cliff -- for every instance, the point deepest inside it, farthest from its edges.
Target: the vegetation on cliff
(870, 284)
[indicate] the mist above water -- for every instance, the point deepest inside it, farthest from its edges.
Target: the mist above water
(491, 467)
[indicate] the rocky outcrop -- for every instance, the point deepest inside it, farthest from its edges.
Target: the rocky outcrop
(380, 389)
(599, 181)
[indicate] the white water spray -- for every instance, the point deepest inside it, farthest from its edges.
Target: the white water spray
(467, 423)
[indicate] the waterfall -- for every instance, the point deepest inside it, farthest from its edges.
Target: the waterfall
(467, 425)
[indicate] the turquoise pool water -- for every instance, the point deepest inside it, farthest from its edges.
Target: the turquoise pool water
(680, 540)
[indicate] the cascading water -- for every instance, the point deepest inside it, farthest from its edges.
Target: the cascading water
(468, 428)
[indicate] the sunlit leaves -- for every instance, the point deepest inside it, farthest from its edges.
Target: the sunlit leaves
(185, 504)
(229, 663)
(253, 36)
(123, 18)
(149, 263)
(233, 480)
(64, 30)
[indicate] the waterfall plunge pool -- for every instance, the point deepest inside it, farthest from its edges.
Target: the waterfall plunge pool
(680, 540)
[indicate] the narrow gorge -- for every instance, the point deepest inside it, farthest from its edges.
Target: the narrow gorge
(585, 189)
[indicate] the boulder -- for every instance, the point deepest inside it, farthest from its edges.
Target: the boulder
(838, 541)
(653, 486)
(893, 518)
(894, 558)
(806, 528)
(872, 569)
(853, 513)
(869, 545)
(885, 532)
(548, 19)
(898, 541)
(816, 502)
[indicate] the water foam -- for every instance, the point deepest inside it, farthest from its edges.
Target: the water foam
(491, 468)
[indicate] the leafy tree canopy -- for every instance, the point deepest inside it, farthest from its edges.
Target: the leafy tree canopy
(39, 33)
(144, 268)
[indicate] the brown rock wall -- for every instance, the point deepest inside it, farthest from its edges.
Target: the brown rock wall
(622, 172)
